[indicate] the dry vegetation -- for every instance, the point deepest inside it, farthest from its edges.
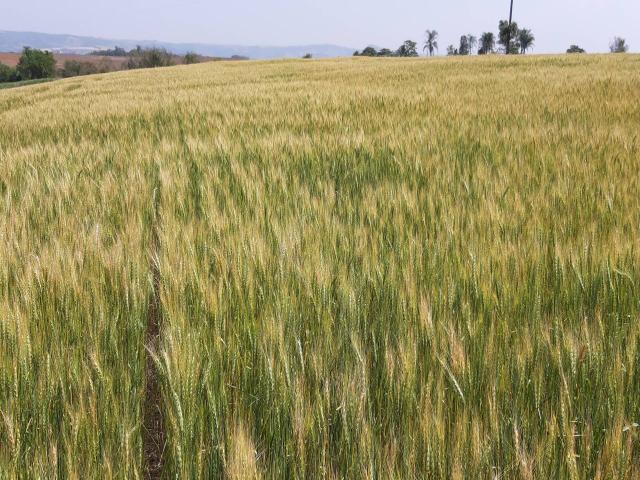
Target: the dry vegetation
(109, 63)
(368, 269)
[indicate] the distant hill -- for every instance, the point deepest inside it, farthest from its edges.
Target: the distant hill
(14, 41)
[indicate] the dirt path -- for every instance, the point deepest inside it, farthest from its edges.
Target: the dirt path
(153, 433)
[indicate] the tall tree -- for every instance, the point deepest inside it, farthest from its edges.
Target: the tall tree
(472, 40)
(507, 32)
(526, 40)
(430, 42)
(467, 44)
(619, 45)
(408, 49)
(464, 48)
(487, 43)
(35, 64)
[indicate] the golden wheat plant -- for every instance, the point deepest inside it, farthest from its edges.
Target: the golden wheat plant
(404, 270)
(369, 268)
(74, 215)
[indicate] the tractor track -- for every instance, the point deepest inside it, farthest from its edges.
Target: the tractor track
(153, 431)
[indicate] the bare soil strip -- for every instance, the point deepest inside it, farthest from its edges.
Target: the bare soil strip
(153, 434)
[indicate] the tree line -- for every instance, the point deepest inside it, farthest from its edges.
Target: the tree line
(408, 49)
(37, 64)
(148, 57)
(510, 40)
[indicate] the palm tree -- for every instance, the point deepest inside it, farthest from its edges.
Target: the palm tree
(430, 42)
(525, 39)
(487, 43)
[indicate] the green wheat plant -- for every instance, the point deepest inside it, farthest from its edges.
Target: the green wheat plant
(368, 268)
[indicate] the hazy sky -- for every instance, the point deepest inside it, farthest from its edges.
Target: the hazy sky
(353, 23)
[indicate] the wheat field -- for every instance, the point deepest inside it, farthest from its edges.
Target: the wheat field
(366, 268)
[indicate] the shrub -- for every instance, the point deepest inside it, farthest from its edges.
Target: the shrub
(35, 64)
(575, 49)
(106, 65)
(369, 52)
(7, 74)
(116, 52)
(74, 68)
(149, 58)
(372, 52)
(191, 58)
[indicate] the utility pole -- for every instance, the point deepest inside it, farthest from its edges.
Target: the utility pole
(509, 32)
